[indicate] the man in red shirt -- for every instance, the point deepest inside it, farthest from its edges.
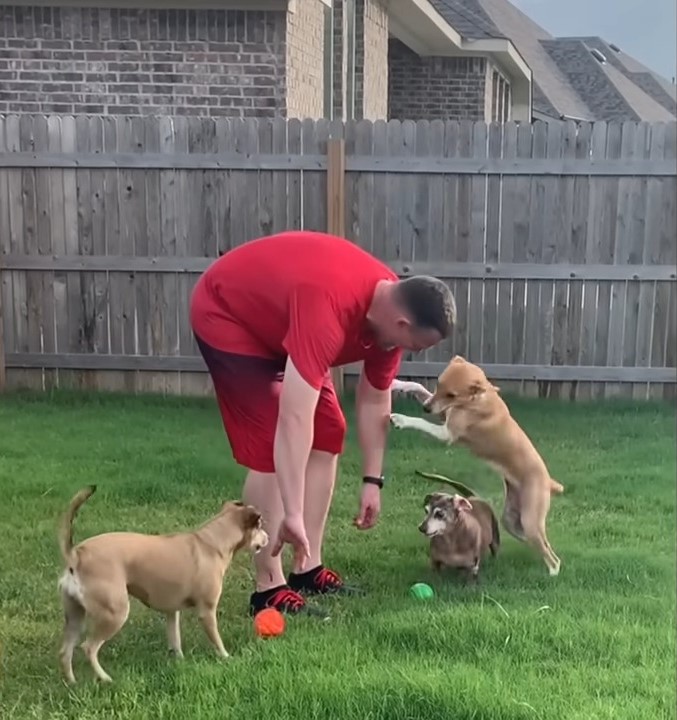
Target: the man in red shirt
(271, 317)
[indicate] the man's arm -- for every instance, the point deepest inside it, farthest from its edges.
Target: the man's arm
(314, 338)
(373, 417)
(294, 438)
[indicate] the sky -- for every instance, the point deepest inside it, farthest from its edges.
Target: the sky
(647, 35)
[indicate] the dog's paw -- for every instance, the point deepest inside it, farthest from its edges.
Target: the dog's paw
(398, 421)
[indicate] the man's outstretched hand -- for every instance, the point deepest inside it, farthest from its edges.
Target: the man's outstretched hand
(293, 532)
(370, 507)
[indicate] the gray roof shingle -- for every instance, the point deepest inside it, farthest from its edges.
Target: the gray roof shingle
(468, 18)
(567, 79)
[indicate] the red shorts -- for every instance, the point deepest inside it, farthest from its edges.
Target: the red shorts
(247, 390)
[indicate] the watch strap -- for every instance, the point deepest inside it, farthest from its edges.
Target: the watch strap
(373, 480)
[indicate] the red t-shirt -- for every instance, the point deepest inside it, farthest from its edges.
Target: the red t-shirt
(299, 294)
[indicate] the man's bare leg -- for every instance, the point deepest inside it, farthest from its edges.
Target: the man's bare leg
(320, 480)
(261, 490)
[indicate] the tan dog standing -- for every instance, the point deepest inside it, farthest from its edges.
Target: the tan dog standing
(461, 531)
(476, 417)
(168, 573)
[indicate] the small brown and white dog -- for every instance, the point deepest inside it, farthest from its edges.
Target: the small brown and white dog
(476, 417)
(461, 531)
(167, 573)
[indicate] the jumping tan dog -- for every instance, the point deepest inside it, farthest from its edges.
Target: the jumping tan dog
(461, 531)
(476, 417)
(168, 573)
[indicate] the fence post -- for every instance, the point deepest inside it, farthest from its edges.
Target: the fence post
(336, 174)
(2, 342)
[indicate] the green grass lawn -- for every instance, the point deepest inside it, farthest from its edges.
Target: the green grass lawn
(597, 642)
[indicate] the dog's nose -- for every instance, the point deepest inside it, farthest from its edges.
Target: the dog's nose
(421, 528)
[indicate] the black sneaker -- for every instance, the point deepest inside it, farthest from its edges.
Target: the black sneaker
(320, 581)
(284, 600)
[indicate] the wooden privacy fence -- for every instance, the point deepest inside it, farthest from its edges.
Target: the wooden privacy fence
(557, 240)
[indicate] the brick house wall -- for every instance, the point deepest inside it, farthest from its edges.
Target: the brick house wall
(437, 88)
(305, 60)
(144, 61)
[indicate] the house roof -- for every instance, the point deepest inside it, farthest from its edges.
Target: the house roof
(468, 18)
(567, 78)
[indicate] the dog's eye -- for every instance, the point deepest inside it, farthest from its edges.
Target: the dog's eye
(438, 514)
(451, 395)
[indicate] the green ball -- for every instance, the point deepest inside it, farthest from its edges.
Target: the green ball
(421, 591)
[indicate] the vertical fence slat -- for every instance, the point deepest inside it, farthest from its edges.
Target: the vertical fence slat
(6, 295)
(634, 289)
(380, 240)
(294, 197)
(15, 212)
(664, 253)
(421, 206)
(280, 178)
(521, 218)
(566, 245)
(669, 225)
(553, 247)
(618, 309)
(435, 219)
(493, 233)
(363, 198)
(477, 240)
(33, 285)
(579, 232)
(536, 239)
(447, 348)
(592, 255)
(335, 203)
(393, 181)
(463, 228)
(509, 200)
(607, 248)
(112, 245)
(169, 282)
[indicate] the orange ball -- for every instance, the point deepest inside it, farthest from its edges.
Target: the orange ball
(269, 623)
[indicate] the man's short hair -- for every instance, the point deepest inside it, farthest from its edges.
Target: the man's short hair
(429, 302)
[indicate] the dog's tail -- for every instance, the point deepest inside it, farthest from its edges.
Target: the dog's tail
(555, 487)
(65, 534)
(462, 489)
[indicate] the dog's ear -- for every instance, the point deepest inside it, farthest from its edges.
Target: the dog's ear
(252, 518)
(462, 504)
(458, 359)
(477, 387)
(427, 500)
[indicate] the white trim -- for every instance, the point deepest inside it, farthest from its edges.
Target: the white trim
(161, 4)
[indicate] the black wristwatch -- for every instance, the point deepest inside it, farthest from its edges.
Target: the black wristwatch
(373, 481)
